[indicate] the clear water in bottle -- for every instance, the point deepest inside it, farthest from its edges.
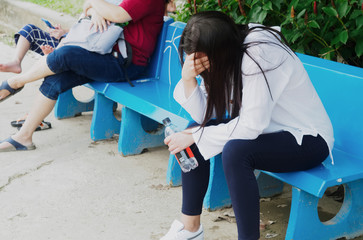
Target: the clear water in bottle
(185, 158)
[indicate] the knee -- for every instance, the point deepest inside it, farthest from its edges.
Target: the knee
(60, 59)
(63, 53)
(236, 154)
(51, 87)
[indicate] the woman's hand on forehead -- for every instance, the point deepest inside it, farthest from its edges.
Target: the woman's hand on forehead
(194, 64)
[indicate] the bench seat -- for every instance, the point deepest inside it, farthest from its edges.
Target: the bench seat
(149, 97)
(346, 168)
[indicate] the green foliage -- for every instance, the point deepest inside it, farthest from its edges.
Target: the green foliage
(329, 29)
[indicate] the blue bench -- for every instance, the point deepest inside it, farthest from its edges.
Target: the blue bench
(340, 88)
(150, 101)
(144, 108)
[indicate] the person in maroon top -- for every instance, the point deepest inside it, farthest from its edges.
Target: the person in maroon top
(70, 66)
(141, 33)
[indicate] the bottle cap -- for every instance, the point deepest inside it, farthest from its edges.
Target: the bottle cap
(166, 121)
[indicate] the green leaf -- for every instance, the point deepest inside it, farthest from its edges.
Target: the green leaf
(327, 56)
(293, 3)
(300, 49)
(267, 6)
(355, 14)
(313, 24)
(239, 20)
(254, 2)
(343, 37)
(287, 21)
(330, 11)
(296, 36)
(357, 33)
(335, 40)
(277, 4)
(262, 16)
(301, 13)
(359, 21)
(343, 9)
(359, 48)
(255, 13)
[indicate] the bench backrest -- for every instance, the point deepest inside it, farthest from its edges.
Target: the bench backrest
(154, 67)
(340, 88)
(171, 68)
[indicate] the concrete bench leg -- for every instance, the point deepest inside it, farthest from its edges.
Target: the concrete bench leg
(104, 123)
(268, 186)
(173, 174)
(217, 195)
(304, 222)
(68, 106)
(137, 133)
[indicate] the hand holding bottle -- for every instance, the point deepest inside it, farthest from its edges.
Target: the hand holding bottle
(179, 146)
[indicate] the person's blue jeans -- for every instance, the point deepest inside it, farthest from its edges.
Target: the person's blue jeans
(275, 152)
(74, 66)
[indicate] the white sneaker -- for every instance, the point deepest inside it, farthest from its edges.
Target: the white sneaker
(177, 232)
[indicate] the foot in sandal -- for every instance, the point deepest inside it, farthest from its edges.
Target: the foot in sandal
(10, 145)
(7, 91)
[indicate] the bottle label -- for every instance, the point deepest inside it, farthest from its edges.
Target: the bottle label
(189, 152)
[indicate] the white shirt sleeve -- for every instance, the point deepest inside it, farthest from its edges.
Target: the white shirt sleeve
(257, 104)
(196, 104)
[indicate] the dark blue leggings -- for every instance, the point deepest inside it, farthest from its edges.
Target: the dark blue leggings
(274, 152)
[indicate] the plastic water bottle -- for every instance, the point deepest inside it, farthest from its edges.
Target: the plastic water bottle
(185, 157)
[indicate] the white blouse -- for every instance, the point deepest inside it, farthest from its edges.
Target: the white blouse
(294, 106)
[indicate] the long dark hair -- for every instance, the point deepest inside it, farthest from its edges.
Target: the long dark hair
(216, 35)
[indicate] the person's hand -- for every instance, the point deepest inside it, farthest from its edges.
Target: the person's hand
(99, 22)
(57, 32)
(194, 64)
(179, 141)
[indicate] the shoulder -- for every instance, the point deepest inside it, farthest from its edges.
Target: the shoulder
(258, 34)
(264, 49)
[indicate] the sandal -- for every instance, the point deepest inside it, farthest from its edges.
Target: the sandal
(19, 123)
(5, 86)
(42, 126)
(16, 146)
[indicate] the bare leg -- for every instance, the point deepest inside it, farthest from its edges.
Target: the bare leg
(41, 108)
(191, 223)
(39, 70)
(14, 66)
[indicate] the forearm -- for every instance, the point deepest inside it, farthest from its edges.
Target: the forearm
(189, 87)
(109, 11)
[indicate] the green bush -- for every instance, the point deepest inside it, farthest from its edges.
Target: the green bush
(331, 29)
